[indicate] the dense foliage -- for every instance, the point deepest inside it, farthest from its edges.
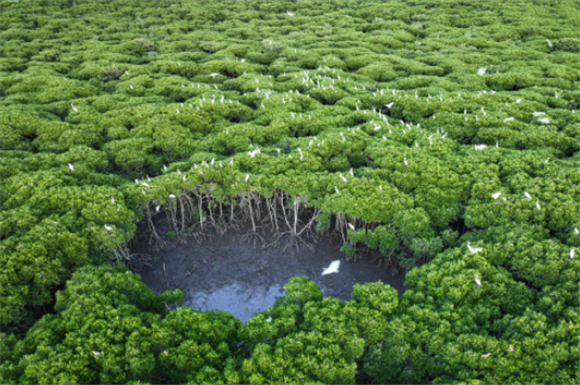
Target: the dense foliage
(419, 129)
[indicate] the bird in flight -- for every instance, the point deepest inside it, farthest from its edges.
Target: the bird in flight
(332, 268)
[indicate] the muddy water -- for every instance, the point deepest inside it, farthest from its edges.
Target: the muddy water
(223, 273)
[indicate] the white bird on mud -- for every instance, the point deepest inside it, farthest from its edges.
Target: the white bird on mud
(72, 168)
(473, 250)
(332, 268)
(496, 195)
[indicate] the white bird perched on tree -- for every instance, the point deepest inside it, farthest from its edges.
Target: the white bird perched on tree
(477, 280)
(496, 195)
(405, 161)
(108, 228)
(549, 43)
(508, 119)
(145, 184)
(527, 195)
(518, 100)
(544, 120)
(213, 75)
(485, 355)
(481, 71)
(336, 189)
(332, 268)
(113, 200)
(389, 105)
(474, 250)
(538, 113)
(290, 14)
(96, 353)
(74, 108)
(572, 252)
(351, 226)
(72, 168)
(247, 177)
(172, 196)
(547, 160)
(143, 191)
(343, 178)
(538, 205)
(480, 146)
(351, 172)
(157, 209)
(576, 231)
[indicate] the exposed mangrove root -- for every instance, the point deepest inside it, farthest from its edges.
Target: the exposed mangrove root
(285, 217)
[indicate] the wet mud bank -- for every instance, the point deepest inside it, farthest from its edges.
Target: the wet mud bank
(222, 272)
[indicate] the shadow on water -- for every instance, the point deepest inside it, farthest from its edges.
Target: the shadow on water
(222, 273)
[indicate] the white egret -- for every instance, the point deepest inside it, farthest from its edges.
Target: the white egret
(96, 353)
(480, 146)
(143, 191)
(406, 163)
(547, 160)
(351, 172)
(477, 280)
(113, 200)
(496, 195)
(572, 252)
(108, 228)
(72, 168)
(74, 108)
(576, 231)
(474, 250)
(351, 226)
(336, 189)
(538, 205)
(145, 184)
(485, 355)
(481, 71)
(247, 177)
(389, 105)
(343, 178)
(508, 119)
(527, 194)
(213, 75)
(549, 43)
(544, 120)
(332, 268)
(131, 86)
(157, 209)
(290, 14)
(269, 319)
(518, 100)
(172, 196)
(538, 113)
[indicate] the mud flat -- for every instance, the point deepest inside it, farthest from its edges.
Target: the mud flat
(220, 272)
